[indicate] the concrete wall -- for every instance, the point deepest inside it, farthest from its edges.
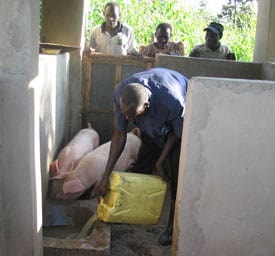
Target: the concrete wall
(54, 120)
(64, 23)
(227, 182)
(20, 211)
(210, 67)
(268, 71)
(265, 32)
(36, 119)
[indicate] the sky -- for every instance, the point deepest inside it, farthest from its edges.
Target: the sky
(214, 6)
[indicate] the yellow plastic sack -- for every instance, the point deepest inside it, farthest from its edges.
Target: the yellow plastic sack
(133, 198)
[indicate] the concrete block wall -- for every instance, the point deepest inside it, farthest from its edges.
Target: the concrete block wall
(264, 50)
(20, 212)
(54, 122)
(191, 67)
(226, 180)
(268, 71)
(20, 182)
(63, 22)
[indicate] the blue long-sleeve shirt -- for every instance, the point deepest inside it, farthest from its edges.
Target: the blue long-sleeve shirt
(168, 90)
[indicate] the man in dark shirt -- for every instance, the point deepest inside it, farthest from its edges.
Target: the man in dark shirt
(212, 48)
(163, 44)
(155, 101)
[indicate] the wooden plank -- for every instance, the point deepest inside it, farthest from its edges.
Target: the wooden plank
(118, 75)
(117, 81)
(121, 60)
(106, 111)
(87, 84)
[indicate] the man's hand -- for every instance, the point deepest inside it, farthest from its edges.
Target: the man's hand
(102, 187)
(90, 51)
(117, 146)
(171, 141)
(180, 48)
(160, 171)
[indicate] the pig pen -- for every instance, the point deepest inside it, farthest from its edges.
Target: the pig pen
(101, 75)
(64, 220)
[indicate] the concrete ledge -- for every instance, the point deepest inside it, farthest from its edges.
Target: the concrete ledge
(191, 67)
(64, 221)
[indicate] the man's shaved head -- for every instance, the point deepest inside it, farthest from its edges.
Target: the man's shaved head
(133, 98)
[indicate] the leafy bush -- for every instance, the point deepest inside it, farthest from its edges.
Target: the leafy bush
(188, 24)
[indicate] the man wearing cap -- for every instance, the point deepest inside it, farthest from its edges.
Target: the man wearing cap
(212, 48)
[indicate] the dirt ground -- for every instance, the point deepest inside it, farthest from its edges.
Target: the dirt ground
(140, 240)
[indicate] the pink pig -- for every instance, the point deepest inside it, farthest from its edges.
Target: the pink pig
(83, 142)
(91, 167)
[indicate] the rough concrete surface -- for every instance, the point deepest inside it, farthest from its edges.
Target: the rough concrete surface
(225, 200)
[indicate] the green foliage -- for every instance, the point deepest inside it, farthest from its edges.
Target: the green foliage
(240, 20)
(188, 24)
(238, 12)
(242, 38)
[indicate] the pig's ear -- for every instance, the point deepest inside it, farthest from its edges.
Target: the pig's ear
(73, 186)
(71, 166)
(61, 176)
(54, 169)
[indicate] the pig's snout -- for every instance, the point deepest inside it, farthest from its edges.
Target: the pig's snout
(54, 170)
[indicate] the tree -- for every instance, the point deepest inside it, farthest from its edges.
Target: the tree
(202, 5)
(188, 23)
(238, 12)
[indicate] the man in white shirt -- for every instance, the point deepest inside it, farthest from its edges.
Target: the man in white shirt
(112, 37)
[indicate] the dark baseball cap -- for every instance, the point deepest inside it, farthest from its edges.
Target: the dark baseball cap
(216, 28)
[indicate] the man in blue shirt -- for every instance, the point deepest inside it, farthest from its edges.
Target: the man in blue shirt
(154, 100)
